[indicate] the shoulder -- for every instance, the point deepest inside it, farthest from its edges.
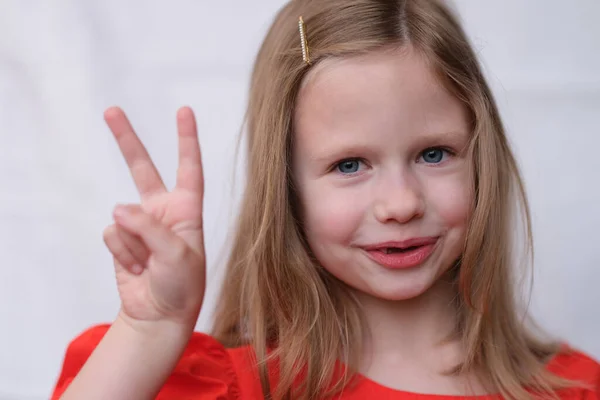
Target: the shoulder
(579, 367)
(574, 364)
(206, 369)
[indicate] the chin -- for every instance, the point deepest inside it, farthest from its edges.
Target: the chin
(396, 289)
(399, 294)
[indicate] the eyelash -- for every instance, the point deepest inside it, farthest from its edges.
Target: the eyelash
(334, 167)
(450, 153)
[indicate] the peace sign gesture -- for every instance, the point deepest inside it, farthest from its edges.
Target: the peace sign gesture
(158, 245)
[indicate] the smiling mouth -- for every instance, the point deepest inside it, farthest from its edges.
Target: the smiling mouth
(400, 255)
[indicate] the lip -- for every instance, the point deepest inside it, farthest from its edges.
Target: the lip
(421, 241)
(424, 246)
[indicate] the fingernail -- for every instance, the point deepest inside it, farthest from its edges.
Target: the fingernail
(137, 269)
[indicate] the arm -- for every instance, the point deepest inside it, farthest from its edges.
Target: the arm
(130, 362)
(158, 251)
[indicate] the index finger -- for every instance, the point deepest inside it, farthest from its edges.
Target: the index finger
(144, 173)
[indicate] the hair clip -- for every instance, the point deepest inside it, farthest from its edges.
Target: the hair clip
(303, 42)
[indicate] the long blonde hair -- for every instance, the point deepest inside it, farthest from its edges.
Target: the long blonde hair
(274, 295)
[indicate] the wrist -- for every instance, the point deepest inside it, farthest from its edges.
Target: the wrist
(169, 332)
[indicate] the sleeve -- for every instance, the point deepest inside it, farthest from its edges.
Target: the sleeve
(204, 372)
(593, 393)
(579, 368)
(587, 371)
(596, 394)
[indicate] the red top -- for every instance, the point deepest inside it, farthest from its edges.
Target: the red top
(209, 371)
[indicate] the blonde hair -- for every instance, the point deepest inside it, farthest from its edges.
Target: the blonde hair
(277, 299)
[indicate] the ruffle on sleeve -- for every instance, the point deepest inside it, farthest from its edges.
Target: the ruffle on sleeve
(204, 372)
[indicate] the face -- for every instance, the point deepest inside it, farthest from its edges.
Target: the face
(384, 188)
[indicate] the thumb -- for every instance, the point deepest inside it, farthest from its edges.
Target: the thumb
(159, 239)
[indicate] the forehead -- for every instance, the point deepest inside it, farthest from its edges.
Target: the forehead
(383, 92)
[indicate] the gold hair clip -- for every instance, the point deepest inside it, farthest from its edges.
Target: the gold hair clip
(303, 42)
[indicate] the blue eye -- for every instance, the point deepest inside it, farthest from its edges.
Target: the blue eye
(349, 166)
(434, 155)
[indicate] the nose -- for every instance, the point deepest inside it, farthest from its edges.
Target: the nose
(399, 200)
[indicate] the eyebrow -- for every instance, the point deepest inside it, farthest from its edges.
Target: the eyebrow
(453, 135)
(340, 152)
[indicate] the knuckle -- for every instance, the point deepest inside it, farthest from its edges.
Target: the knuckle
(114, 246)
(127, 237)
(109, 232)
(179, 251)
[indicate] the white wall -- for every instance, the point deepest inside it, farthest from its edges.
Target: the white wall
(62, 62)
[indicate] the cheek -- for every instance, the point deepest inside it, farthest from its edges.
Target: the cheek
(452, 201)
(331, 215)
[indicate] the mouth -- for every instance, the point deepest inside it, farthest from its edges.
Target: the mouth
(402, 246)
(399, 255)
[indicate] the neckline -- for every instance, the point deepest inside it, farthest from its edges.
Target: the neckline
(369, 383)
(370, 386)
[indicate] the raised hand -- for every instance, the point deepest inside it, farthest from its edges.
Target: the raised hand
(158, 245)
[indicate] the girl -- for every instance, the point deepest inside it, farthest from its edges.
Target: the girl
(372, 257)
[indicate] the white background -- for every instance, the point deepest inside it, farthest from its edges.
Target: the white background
(62, 62)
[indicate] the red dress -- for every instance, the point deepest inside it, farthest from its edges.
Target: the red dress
(208, 371)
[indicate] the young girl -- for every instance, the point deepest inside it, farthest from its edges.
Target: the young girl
(372, 257)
